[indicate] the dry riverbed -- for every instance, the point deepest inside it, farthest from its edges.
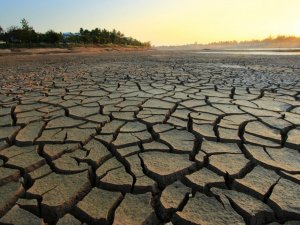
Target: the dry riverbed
(149, 137)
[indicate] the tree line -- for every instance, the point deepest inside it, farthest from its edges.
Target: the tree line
(25, 35)
(280, 41)
(269, 41)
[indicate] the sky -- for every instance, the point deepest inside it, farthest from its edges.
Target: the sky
(163, 22)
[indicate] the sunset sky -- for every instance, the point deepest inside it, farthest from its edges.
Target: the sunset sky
(163, 22)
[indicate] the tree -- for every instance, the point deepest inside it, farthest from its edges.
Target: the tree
(85, 36)
(81, 30)
(25, 34)
(13, 34)
(147, 44)
(28, 34)
(2, 37)
(25, 25)
(52, 37)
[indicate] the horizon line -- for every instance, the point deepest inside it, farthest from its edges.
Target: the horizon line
(234, 41)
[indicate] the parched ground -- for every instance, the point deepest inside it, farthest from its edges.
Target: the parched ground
(149, 138)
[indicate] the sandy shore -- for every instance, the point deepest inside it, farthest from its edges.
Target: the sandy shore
(73, 50)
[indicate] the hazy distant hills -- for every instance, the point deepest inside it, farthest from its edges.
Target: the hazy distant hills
(278, 42)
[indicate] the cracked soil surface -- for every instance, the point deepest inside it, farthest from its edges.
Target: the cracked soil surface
(149, 138)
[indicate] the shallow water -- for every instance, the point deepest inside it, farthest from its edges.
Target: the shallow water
(252, 52)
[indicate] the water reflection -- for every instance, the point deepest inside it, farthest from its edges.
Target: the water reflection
(254, 52)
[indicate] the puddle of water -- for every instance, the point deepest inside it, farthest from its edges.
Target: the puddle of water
(223, 65)
(231, 66)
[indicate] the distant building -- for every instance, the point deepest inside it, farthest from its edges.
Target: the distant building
(70, 34)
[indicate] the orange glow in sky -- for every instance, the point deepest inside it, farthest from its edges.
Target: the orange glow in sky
(201, 21)
(163, 22)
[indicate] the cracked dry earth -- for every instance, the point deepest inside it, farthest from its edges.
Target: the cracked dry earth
(149, 138)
